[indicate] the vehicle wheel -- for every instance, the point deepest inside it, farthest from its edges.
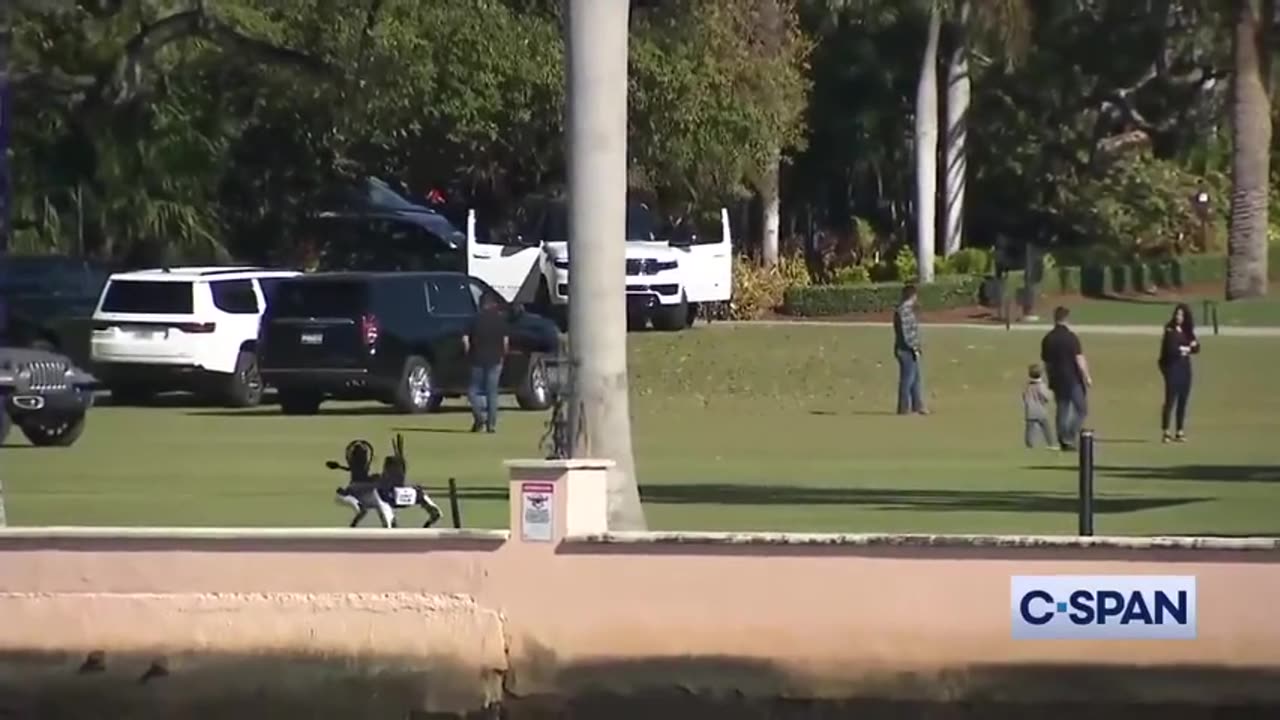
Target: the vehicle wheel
(5, 422)
(54, 432)
(534, 392)
(415, 392)
(672, 317)
(300, 402)
(244, 387)
(131, 395)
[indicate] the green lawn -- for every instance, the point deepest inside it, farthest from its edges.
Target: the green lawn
(763, 428)
(1154, 311)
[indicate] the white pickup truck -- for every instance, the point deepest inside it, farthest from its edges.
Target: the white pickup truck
(670, 273)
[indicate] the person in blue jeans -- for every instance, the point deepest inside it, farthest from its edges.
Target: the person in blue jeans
(906, 347)
(486, 344)
(1069, 377)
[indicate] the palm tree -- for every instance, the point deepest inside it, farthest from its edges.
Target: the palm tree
(926, 148)
(1251, 157)
(1006, 20)
(956, 130)
(597, 153)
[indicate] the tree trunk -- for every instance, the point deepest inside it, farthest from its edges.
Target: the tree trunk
(771, 207)
(926, 148)
(1250, 157)
(956, 134)
(597, 153)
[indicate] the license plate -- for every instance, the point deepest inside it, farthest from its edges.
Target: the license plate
(312, 338)
(146, 333)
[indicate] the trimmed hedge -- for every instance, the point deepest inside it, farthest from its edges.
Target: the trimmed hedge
(948, 291)
(1099, 280)
(952, 291)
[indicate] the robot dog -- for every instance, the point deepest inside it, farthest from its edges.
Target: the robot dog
(385, 492)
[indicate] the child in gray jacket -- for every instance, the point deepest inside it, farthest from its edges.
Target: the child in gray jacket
(1035, 408)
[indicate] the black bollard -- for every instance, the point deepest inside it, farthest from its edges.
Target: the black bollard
(1086, 483)
(1215, 318)
(454, 509)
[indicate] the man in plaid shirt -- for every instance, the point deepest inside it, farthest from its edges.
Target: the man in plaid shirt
(906, 347)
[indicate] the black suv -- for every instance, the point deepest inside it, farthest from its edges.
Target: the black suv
(46, 302)
(394, 337)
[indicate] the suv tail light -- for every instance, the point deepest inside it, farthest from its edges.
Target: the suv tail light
(197, 327)
(369, 330)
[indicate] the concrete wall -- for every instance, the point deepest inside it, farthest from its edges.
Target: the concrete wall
(468, 615)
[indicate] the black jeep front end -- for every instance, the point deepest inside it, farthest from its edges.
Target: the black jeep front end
(45, 395)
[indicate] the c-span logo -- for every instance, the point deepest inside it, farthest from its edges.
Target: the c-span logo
(1104, 607)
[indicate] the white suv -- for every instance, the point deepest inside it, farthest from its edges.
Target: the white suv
(186, 328)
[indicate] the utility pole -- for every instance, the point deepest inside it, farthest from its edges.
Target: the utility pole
(596, 124)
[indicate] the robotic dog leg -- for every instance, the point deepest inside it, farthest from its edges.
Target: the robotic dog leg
(427, 504)
(385, 511)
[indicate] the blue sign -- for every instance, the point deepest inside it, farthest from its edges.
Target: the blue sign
(1103, 607)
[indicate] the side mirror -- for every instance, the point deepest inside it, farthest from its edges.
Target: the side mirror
(682, 239)
(332, 464)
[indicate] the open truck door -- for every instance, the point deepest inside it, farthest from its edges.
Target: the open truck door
(706, 263)
(509, 263)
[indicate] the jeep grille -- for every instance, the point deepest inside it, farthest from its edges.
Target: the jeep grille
(647, 266)
(47, 375)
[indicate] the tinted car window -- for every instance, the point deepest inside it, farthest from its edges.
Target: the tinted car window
(320, 298)
(641, 222)
(51, 275)
(145, 296)
(450, 296)
(402, 302)
(234, 296)
(479, 291)
(269, 286)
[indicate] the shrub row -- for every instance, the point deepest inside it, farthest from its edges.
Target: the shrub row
(951, 291)
(1098, 280)
(945, 292)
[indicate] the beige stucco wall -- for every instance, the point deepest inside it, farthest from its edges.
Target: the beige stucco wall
(825, 619)
(469, 614)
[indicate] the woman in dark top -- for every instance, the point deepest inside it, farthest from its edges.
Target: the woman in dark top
(1176, 348)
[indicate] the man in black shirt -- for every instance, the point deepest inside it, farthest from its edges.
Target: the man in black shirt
(486, 344)
(1069, 378)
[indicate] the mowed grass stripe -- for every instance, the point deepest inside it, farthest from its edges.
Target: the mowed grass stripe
(744, 428)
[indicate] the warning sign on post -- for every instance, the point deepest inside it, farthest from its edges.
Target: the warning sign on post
(537, 502)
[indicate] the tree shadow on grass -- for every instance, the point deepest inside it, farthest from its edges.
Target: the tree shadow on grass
(176, 400)
(1014, 501)
(1194, 473)
(836, 413)
(335, 411)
